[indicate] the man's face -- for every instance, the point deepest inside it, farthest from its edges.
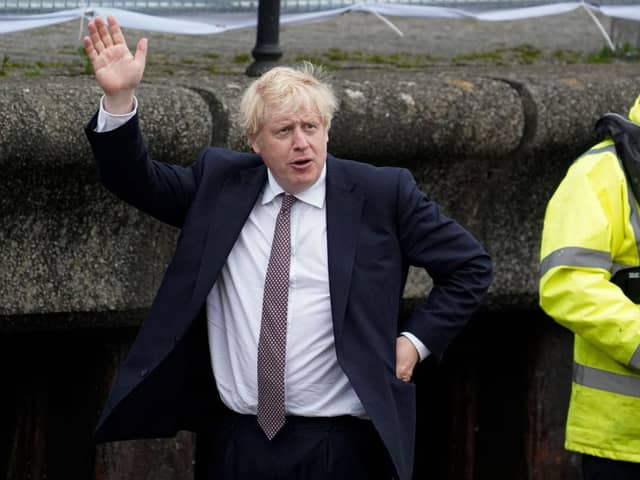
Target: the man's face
(293, 145)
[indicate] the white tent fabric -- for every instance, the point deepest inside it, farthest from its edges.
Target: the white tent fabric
(15, 23)
(216, 23)
(630, 12)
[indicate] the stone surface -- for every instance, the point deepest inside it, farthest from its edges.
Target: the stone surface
(410, 119)
(69, 245)
(489, 150)
(486, 115)
(42, 121)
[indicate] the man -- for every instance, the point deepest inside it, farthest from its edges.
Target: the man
(274, 334)
(590, 283)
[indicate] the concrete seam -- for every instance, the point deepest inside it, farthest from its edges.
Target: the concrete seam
(530, 112)
(219, 131)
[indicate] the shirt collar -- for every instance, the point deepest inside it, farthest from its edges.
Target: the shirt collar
(314, 195)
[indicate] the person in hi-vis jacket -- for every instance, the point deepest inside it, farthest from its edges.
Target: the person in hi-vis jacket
(590, 284)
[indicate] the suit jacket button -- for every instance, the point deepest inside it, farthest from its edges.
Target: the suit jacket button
(143, 372)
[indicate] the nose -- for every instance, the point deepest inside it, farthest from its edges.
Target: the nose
(300, 141)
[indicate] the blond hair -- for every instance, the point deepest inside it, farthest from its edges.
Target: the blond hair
(287, 90)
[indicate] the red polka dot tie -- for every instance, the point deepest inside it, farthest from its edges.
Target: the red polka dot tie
(273, 329)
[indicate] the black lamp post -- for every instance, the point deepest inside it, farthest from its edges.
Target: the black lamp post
(267, 51)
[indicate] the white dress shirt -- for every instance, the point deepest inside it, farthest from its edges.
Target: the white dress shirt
(315, 384)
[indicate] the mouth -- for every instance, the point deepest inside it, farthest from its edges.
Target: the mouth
(302, 162)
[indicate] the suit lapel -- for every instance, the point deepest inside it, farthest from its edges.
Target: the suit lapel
(232, 208)
(234, 204)
(344, 216)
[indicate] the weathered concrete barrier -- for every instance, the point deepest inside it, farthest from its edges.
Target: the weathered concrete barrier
(68, 245)
(489, 148)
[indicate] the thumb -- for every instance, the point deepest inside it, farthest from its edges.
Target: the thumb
(141, 51)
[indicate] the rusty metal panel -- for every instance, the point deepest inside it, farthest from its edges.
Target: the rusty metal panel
(49, 404)
(166, 459)
(493, 408)
(549, 388)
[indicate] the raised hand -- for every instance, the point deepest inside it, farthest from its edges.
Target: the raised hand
(117, 71)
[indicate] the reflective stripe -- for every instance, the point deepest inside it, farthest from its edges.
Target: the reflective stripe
(607, 381)
(589, 258)
(576, 257)
(609, 148)
(617, 267)
(635, 359)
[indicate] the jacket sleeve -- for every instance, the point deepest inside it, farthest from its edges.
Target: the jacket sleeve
(460, 267)
(124, 167)
(586, 236)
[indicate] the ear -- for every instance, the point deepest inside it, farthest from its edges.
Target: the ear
(253, 141)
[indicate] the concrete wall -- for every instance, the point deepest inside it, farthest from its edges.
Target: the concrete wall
(79, 268)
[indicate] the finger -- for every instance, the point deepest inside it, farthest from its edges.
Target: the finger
(403, 373)
(95, 35)
(90, 51)
(93, 30)
(116, 32)
(406, 373)
(141, 51)
(104, 34)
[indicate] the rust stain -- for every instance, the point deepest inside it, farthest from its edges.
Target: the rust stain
(463, 84)
(100, 472)
(573, 83)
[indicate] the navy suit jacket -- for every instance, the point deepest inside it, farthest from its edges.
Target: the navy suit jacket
(378, 223)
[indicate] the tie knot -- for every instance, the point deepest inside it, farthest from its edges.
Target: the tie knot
(287, 201)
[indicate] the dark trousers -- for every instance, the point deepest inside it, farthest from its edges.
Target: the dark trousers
(596, 468)
(328, 448)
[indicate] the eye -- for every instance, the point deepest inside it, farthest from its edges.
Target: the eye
(283, 131)
(310, 126)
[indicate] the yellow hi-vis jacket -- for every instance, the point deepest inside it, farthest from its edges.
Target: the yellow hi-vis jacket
(592, 230)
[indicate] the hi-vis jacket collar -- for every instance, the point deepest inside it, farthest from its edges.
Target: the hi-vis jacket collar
(626, 136)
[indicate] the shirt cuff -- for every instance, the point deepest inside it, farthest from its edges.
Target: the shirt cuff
(108, 121)
(423, 351)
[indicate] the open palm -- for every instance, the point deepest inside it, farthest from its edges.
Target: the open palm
(117, 70)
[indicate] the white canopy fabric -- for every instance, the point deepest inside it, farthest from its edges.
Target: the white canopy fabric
(218, 23)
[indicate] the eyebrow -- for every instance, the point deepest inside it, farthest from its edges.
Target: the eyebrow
(302, 118)
(278, 125)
